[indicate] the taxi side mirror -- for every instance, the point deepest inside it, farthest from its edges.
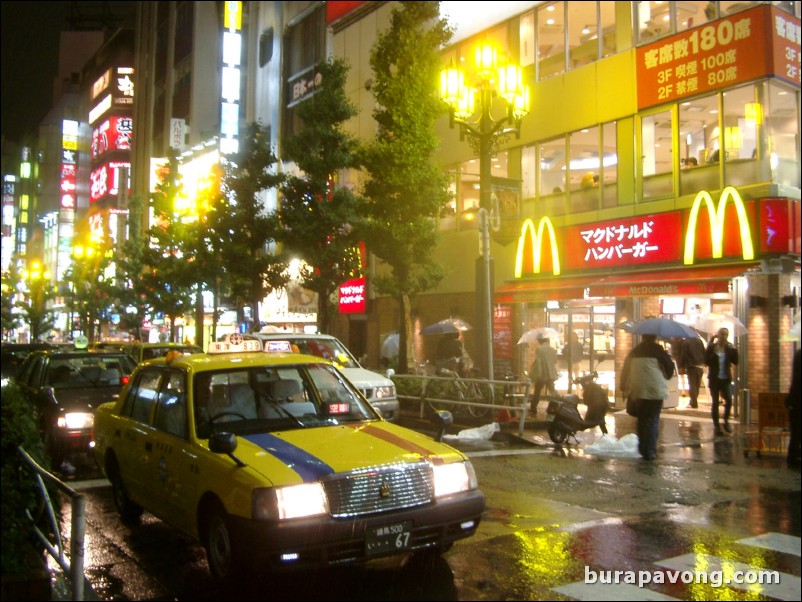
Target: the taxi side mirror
(223, 443)
(442, 419)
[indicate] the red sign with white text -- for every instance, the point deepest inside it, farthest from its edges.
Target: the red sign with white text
(352, 296)
(754, 43)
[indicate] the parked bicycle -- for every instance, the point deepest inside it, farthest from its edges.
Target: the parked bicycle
(471, 390)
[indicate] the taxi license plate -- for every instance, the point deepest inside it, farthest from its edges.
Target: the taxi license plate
(388, 538)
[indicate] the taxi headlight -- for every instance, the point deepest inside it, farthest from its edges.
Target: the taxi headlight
(453, 478)
(385, 392)
(293, 501)
(76, 420)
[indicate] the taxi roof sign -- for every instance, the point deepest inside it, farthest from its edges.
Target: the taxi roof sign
(278, 347)
(227, 347)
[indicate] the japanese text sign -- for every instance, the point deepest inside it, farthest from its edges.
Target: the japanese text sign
(759, 42)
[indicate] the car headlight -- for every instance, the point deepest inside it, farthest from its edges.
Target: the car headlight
(76, 420)
(385, 392)
(293, 501)
(453, 478)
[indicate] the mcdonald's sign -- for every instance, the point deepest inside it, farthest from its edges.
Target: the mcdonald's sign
(716, 219)
(535, 247)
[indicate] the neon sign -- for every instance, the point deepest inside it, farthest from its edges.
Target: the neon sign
(536, 240)
(716, 217)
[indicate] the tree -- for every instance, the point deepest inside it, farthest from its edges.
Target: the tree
(165, 282)
(10, 283)
(242, 221)
(316, 215)
(35, 307)
(406, 190)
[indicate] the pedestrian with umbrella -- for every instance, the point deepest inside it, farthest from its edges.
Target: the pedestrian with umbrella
(543, 371)
(644, 378)
(720, 357)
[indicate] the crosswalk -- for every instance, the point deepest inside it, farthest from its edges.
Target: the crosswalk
(693, 569)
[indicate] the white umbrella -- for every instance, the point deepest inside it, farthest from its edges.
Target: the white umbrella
(793, 333)
(390, 346)
(544, 332)
(711, 322)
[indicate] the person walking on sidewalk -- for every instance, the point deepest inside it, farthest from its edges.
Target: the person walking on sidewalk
(692, 361)
(647, 369)
(543, 371)
(720, 357)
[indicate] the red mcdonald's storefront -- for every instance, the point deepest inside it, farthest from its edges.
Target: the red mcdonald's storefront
(722, 254)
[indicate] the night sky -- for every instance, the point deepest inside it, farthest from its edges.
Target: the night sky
(30, 40)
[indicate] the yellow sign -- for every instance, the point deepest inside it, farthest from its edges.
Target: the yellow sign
(232, 18)
(716, 217)
(537, 246)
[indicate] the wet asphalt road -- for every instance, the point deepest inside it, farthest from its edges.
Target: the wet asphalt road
(555, 518)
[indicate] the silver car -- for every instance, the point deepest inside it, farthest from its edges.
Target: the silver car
(377, 389)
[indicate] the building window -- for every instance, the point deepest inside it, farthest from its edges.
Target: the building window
(656, 167)
(551, 40)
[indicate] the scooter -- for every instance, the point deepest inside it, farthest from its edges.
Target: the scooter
(563, 413)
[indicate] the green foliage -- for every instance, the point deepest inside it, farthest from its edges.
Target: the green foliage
(10, 280)
(406, 189)
(35, 310)
(315, 214)
(240, 220)
(18, 545)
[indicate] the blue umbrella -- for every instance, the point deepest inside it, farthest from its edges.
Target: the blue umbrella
(664, 328)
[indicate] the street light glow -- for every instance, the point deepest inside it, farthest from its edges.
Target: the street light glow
(485, 134)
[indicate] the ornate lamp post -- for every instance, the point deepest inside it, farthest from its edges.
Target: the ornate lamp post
(500, 87)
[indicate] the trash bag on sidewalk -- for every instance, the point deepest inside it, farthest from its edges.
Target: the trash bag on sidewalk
(479, 433)
(609, 445)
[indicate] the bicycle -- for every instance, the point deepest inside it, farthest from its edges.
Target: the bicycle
(462, 390)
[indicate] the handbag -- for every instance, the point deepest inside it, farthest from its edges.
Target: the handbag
(632, 406)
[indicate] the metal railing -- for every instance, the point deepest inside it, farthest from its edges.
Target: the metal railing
(514, 396)
(46, 525)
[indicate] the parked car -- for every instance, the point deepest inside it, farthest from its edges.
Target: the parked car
(377, 389)
(65, 386)
(274, 461)
(12, 355)
(147, 351)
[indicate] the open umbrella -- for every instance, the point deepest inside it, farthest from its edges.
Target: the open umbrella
(446, 326)
(626, 325)
(544, 332)
(664, 328)
(793, 333)
(711, 322)
(390, 346)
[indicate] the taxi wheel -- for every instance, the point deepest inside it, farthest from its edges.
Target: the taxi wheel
(130, 512)
(220, 546)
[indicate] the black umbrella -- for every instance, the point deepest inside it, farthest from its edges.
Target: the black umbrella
(449, 325)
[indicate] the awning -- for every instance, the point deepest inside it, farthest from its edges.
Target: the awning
(534, 290)
(679, 281)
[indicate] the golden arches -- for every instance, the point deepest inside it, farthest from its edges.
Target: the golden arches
(536, 239)
(716, 217)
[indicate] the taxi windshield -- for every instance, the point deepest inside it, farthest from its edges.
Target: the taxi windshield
(271, 398)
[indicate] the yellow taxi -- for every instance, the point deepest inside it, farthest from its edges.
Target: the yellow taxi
(275, 460)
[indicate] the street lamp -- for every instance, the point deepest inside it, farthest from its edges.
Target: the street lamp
(486, 131)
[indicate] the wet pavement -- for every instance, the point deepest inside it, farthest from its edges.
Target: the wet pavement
(559, 522)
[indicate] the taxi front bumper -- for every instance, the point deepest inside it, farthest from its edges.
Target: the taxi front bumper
(320, 541)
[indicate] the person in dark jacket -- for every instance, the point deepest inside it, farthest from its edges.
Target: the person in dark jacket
(720, 357)
(645, 376)
(792, 404)
(692, 361)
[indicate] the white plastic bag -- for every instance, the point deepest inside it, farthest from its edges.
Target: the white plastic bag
(609, 445)
(479, 433)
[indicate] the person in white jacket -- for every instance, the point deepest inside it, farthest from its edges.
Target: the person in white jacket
(645, 376)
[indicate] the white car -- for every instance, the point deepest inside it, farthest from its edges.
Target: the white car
(377, 389)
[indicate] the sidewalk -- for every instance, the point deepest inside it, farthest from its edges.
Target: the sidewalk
(685, 434)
